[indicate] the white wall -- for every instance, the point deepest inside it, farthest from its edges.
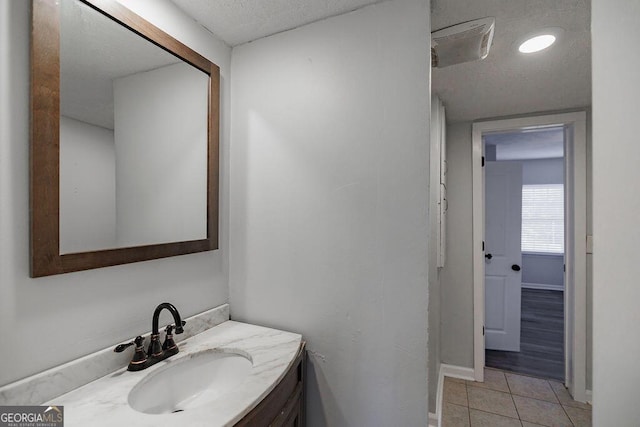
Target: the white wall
(51, 320)
(329, 197)
(457, 275)
(616, 209)
(543, 269)
(87, 187)
(161, 155)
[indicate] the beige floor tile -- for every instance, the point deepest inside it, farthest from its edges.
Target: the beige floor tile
(528, 424)
(456, 393)
(492, 401)
(454, 380)
(486, 419)
(565, 398)
(455, 415)
(531, 387)
(493, 379)
(541, 412)
(579, 417)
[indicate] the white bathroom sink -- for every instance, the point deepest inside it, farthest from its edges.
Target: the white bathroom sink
(189, 383)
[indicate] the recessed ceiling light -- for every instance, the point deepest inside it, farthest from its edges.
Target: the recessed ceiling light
(537, 43)
(539, 40)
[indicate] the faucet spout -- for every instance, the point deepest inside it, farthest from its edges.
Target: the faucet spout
(155, 352)
(155, 349)
(174, 312)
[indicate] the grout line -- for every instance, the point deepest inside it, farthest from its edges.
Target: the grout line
(466, 389)
(554, 392)
(459, 406)
(498, 391)
(455, 404)
(540, 400)
(507, 381)
(561, 405)
(523, 374)
(558, 402)
(513, 400)
(466, 392)
(535, 398)
(495, 413)
(511, 394)
(563, 408)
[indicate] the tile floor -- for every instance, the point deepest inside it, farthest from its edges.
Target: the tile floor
(506, 399)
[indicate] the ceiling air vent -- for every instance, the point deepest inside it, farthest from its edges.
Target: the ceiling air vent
(469, 41)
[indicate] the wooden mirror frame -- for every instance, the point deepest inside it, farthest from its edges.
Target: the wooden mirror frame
(45, 254)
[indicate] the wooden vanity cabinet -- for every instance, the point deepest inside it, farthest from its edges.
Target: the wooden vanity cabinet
(284, 406)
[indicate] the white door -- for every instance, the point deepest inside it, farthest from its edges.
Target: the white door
(503, 257)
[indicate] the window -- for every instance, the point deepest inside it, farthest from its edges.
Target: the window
(543, 218)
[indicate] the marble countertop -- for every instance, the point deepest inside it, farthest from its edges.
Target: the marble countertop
(103, 402)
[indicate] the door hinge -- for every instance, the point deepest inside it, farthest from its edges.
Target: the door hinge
(483, 331)
(482, 161)
(483, 246)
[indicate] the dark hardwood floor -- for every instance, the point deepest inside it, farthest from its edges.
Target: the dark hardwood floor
(542, 338)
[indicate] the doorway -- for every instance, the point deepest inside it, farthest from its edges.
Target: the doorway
(574, 127)
(524, 251)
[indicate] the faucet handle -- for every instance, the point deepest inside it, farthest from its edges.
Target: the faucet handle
(139, 360)
(169, 346)
(121, 347)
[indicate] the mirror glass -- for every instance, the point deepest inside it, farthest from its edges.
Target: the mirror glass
(133, 138)
(124, 150)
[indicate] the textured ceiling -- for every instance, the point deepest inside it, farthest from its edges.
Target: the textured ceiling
(505, 83)
(241, 21)
(509, 83)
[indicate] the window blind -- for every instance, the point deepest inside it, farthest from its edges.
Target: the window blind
(543, 218)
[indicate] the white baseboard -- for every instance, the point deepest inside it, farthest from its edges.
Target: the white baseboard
(439, 398)
(543, 286)
(433, 420)
(457, 372)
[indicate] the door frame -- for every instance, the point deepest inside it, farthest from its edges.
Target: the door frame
(575, 297)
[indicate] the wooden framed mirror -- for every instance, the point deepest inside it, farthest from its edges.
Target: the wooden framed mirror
(103, 80)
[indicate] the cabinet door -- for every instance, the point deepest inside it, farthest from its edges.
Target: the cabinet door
(292, 410)
(295, 417)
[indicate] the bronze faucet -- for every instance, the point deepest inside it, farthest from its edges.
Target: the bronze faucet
(155, 352)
